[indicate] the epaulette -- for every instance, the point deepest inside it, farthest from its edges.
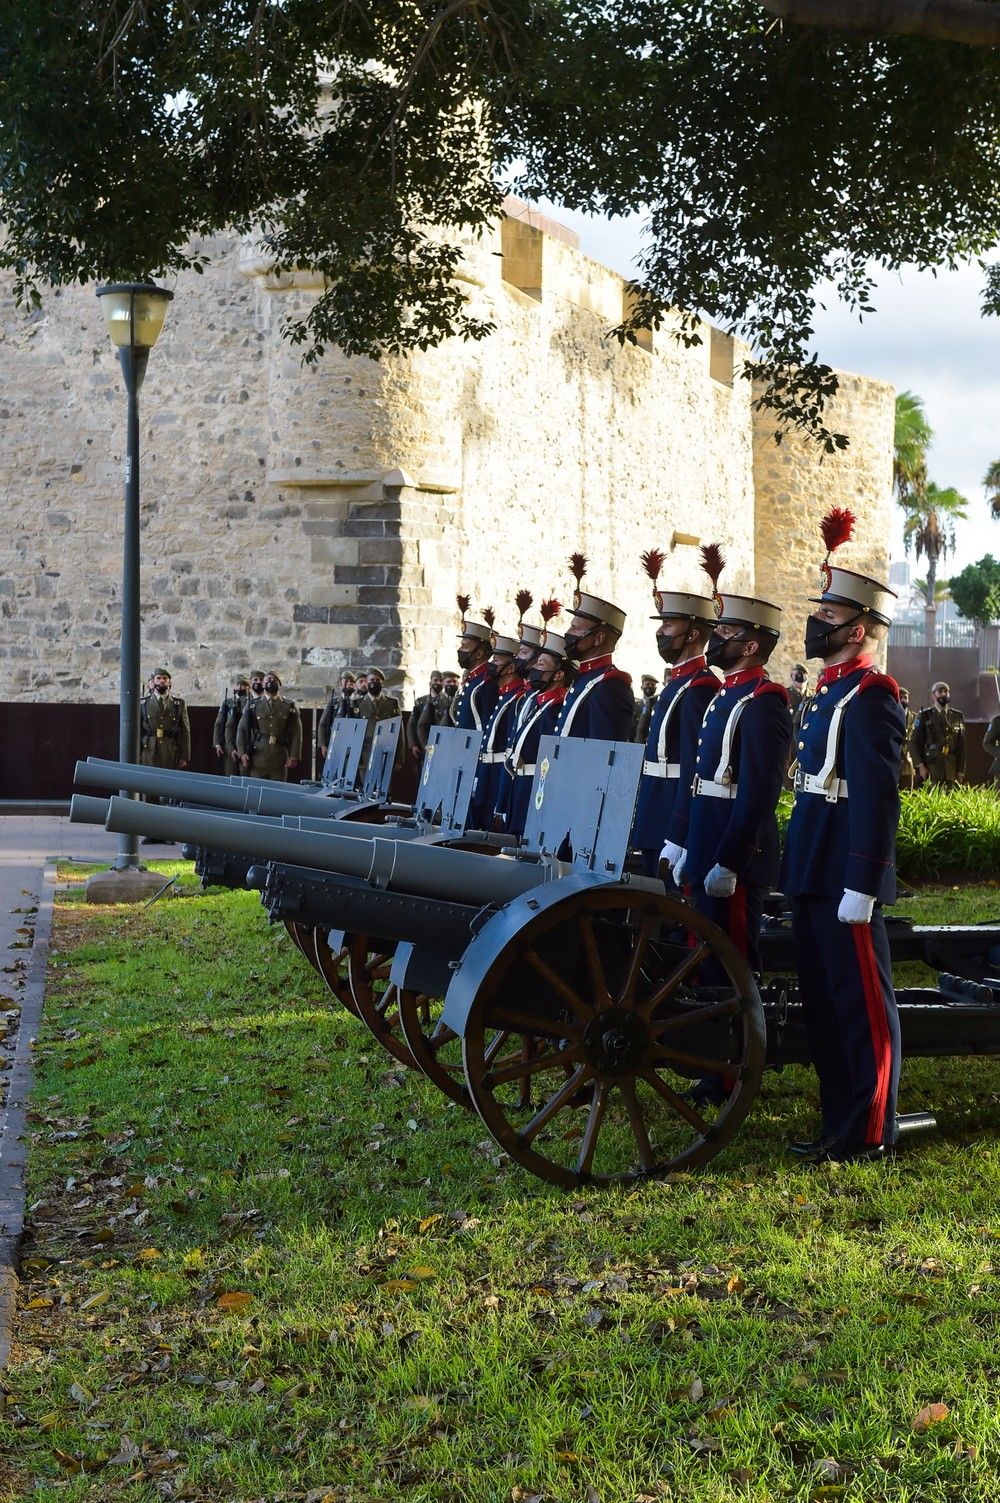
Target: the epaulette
(705, 680)
(767, 687)
(875, 680)
(613, 672)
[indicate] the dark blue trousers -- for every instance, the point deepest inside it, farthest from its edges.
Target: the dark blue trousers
(849, 1010)
(740, 918)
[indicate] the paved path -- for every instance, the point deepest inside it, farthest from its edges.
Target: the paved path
(27, 844)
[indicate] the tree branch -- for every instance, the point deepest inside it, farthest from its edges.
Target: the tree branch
(974, 22)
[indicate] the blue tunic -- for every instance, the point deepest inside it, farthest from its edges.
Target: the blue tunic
(477, 701)
(539, 720)
(686, 697)
(599, 704)
(496, 739)
(740, 833)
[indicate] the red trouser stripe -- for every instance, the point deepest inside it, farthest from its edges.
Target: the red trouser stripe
(871, 985)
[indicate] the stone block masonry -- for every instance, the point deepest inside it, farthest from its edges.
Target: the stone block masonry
(322, 517)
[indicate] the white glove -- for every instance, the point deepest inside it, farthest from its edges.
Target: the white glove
(855, 908)
(679, 867)
(671, 853)
(720, 882)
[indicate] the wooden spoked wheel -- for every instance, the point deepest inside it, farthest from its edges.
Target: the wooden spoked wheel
(436, 1048)
(630, 997)
(301, 938)
(333, 967)
(376, 998)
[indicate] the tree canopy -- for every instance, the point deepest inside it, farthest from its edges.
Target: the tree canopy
(976, 591)
(768, 155)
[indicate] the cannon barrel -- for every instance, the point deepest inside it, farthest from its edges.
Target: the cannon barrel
(425, 871)
(259, 797)
(94, 811)
(114, 766)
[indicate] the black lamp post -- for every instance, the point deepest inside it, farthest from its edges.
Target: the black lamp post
(134, 313)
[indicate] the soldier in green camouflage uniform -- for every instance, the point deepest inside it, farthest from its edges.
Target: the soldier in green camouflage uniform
(269, 735)
(233, 722)
(164, 729)
(937, 744)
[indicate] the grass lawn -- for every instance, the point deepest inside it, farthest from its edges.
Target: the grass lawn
(264, 1263)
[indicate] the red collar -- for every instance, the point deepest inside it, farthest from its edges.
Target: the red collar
(691, 665)
(592, 663)
(743, 676)
(477, 673)
(516, 686)
(841, 670)
(551, 696)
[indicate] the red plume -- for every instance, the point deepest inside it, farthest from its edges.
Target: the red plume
(524, 601)
(653, 562)
(550, 608)
(462, 601)
(577, 566)
(489, 615)
(837, 527)
(712, 562)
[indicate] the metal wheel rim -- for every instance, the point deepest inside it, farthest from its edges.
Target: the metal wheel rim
(329, 966)
(378, 1011)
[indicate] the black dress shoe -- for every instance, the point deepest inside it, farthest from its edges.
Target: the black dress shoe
(852, 1153)
(806, 1149)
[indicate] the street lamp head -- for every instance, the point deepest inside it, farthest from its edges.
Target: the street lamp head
(134, 313)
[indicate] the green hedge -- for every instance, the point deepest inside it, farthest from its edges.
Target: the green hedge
(942, 834)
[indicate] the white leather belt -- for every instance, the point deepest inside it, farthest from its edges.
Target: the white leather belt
(812, 782)
(703, 786)
(661, 769)
(494, 756)
(526, 770)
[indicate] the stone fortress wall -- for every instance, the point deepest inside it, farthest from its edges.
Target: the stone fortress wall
(317, 517)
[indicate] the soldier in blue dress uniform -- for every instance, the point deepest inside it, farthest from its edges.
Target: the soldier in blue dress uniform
(839, 865)
(549, 679)
(600, 705)
(505, 670)
(478, 699)
(684, 626)
(730, 859)
(530, 639)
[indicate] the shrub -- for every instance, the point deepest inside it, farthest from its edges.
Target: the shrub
(940, 833)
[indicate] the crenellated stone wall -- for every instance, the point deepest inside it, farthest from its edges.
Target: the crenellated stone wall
(313, 517)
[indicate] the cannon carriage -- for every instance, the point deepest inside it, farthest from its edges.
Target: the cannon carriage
(567, 1001)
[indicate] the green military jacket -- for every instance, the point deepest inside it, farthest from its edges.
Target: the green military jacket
(233, 722)
(164, 731)
(230, 710)
(938, 741)
(270, 731)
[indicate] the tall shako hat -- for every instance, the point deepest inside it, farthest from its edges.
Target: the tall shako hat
(843, 586)
(592, 607)
(673, 603)
(738, 610)
(551, 641)
(477, 629)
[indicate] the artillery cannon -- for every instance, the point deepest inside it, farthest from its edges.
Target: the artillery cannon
(568, 1003)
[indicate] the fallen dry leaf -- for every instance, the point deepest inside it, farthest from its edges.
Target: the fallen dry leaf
(235, 1302)
(931, 1415)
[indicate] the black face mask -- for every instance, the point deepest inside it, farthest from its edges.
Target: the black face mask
(494, 670)
(375, 689)
(717, 654)
(574, 644)
(465, 656)
(257, 687)
(271, 686)
(451, 690)
(819, 641)
(943, 699)
(539, 678)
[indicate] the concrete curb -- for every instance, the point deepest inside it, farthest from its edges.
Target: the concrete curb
(13, 1124)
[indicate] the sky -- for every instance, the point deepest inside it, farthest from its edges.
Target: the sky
(926, 336)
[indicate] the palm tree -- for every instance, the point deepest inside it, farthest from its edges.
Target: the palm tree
(942, 592)
(991, 480)
(929, 529)
(911, 440)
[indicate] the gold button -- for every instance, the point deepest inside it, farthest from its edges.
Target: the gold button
(824, 689)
